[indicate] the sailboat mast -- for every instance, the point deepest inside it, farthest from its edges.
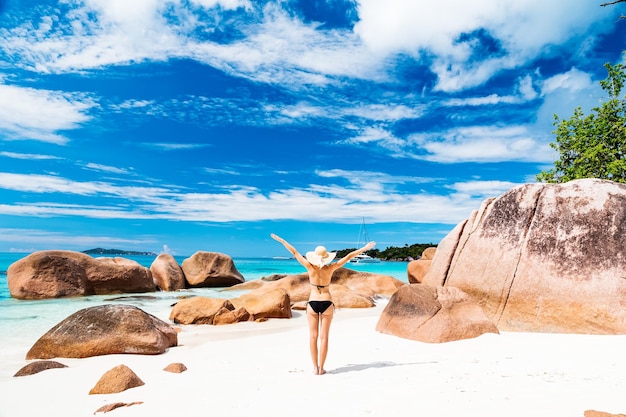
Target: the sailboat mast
(362, 234)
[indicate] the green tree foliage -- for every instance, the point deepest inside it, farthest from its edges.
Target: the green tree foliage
(393, 252)
(593, 146)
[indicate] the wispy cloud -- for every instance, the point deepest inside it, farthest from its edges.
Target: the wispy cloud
(471, 42)
(479, 144)
(174, 146)
(41, 115)
(47, 239)
(28, 156)
(275, 46)
(105, 168)
(369, 194)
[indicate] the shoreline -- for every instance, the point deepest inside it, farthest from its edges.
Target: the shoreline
(264, 368)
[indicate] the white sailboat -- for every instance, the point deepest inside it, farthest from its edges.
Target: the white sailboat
(361, 241)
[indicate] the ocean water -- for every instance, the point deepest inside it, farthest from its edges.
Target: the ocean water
(22, 322)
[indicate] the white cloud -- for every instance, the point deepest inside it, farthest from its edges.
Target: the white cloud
(54, 184)
(386, 112)
(27, 156)
(106, 168)
(368, 177)
(225, 4)
(489, 100)
(379, 136)
(480, 144)
(562, 93)
(277, 47)
(280, 48)
(27, 113)
(369, 194)
(483, 188)
(523, 29)
(175, 146)
(525, 92)
(527, 89)
(47, 239)
(574, 80)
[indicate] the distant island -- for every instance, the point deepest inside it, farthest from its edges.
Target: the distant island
(101, 251)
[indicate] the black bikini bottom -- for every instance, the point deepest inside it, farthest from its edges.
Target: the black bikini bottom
(320, 306)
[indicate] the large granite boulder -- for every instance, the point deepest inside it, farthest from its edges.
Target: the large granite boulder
(166, 273)
(211, 269)
(417, 270)
(49, 274)
(118, 275)
(433, 314)
(52, 274)
(429, 253)
(366, 283)
(297, 286)
(103, 330)
(345, 297)
(543, 257)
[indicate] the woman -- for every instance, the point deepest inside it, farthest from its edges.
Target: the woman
(319, 314)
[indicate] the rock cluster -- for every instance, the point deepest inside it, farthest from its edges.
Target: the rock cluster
(277, 297)
(53, 274)
(58, 273)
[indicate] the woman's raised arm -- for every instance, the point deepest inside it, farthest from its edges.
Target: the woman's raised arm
(292, 250)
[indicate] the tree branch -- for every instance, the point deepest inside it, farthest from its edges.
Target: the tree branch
(613, 2)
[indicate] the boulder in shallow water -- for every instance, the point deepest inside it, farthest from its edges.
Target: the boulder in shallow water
(58, 273)
(49, 274)
(211, 269)
(166, 273)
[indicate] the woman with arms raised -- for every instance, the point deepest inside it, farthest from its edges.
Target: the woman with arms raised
(319, 314)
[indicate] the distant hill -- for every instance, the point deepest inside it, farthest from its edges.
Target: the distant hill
(101, 251)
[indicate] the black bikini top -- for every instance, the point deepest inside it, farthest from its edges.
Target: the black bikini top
(319, 287)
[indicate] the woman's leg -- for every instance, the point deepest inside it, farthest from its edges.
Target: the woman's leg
(313, 319)
(325, 319)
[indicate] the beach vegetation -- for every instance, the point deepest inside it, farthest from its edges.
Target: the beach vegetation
(405, 252)
(593, 145)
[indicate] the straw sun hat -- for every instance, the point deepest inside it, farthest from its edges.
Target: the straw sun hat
(320, 256)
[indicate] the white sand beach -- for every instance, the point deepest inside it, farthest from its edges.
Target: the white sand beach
(259, 369)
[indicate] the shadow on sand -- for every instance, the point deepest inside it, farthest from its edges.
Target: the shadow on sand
(364, 366)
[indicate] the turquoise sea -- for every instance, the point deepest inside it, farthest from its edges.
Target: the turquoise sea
(22, 322)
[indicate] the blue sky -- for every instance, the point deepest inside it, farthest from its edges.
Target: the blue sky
(177, 126)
